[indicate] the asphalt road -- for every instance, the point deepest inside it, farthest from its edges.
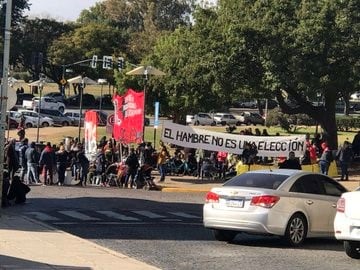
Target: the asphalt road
(165, 230)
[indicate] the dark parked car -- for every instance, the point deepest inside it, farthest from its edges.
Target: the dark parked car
(56, 95)
(88, 101)
(59, 118)
(106, 102)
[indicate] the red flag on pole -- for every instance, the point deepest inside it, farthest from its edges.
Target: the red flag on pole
(129, 117)
(90, 126)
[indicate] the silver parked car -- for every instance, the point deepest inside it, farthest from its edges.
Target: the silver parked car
(293, 204)
(202, 119)
(226, 119)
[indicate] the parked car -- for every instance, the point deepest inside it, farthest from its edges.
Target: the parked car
(15, 119)
(106, 102)
(58, 117)
(31, 119)
(88, 101)
(75, 117)
(347, 222)
(11, 122)
(202, 119)
(250, 118)
(226, 119)
(293, 204)
(56, 95)
(45, 103)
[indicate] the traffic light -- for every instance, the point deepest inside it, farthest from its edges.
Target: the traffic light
(121, 63)
(107, 62)
(94, 61)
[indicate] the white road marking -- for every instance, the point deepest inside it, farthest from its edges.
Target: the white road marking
(77, 215)
(148, 214)
(184, 215)
(114, 215)
(42, 216)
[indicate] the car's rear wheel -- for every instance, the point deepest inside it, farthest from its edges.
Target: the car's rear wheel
(223, 235)
(213, 123)
(296, 230)
(197, 123)
(352, 249)
(248, 123)
(45, 124)
(29, 125)
(65, 123)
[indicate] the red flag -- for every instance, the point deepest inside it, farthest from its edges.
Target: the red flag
(129, 117)
(90, 126)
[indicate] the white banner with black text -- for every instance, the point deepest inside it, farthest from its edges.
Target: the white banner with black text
(267, 146)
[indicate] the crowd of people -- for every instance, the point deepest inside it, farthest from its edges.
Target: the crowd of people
(31, 163)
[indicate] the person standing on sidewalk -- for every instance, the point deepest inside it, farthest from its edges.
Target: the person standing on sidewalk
(11, 158)
(84, 165)
(162, 157)
(132, 163)
(32, 159)
(47, 162)
(61, 164)
(325, 159)
(345, 155)
(22, 159)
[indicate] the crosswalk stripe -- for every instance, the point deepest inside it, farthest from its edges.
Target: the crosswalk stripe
(42, 216)
(184, 215)
(77, 215)
(148, 214)
(114, 215)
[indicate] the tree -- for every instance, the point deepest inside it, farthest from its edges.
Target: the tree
(31, 43)
(301, 51)
(17, 17)
(86, 41)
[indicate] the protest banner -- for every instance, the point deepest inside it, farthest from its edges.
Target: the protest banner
(267, 146)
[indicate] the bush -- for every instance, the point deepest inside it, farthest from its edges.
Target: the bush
(288, 122)
(345, 123)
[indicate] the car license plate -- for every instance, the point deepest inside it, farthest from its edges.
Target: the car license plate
(235, 203)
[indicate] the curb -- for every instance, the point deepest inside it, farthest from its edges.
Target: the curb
(183, 189)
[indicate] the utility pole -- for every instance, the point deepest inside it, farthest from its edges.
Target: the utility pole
(4, 88)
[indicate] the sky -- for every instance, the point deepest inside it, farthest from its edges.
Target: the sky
(60, 10)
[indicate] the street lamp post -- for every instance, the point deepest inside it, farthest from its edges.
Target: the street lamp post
(145, 71)
(101, 82)
(81, 89)
(41, 86)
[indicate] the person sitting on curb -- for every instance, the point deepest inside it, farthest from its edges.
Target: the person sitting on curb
(18, 191)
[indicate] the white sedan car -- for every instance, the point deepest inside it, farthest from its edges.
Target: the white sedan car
(31, 119)
(347, 222)
(293, 204)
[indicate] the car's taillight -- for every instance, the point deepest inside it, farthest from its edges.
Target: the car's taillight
(266, 201)
(340, 206)
(212, 197)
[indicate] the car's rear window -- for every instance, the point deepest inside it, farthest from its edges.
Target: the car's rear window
(258, 180)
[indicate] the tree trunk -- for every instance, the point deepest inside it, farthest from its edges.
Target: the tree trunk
(328, 124)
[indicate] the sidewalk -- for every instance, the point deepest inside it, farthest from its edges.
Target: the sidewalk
(29, 244)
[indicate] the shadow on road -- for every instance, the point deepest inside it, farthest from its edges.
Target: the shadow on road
(7, 262)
